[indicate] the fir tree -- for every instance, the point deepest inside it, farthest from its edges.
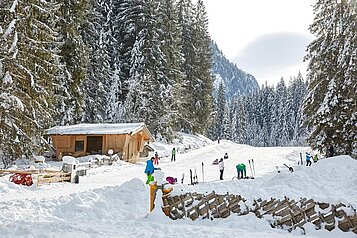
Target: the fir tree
(330, 107)
(28, 62)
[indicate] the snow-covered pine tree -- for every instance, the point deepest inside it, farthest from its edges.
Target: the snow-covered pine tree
(281, 114)
(97, 37)
(74, 57)
(29, 62)
(171, 47)
(220, 111)
(330, 107)
(296, 94)
(185, 21)
(129, 18)
(201, 82)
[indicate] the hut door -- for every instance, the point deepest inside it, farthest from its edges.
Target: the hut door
(94, 144)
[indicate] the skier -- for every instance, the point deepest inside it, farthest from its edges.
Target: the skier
(241, 168)
(157, 158)
(225, 156)
(173, 154)
(149, 170)
(315, 158)
(221, 168)
(308, 159)
(331, 150)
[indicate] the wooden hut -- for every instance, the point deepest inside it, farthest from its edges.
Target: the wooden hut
(127, 139)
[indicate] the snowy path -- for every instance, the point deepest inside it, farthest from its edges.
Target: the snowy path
(112, 201)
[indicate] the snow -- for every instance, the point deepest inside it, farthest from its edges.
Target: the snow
(113, 201)
(119, 128)
(10, 28)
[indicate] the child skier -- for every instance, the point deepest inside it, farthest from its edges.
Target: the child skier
(157, 158)
(225, 156)
(149, 170)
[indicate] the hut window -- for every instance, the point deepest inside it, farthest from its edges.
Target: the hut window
(79, 145)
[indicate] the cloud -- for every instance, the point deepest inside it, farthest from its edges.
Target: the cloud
(271, 53)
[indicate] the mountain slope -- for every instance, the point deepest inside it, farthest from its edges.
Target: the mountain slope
(237, 82)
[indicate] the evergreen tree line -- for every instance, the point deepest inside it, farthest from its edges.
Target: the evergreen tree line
(93, 61)
(272, 116)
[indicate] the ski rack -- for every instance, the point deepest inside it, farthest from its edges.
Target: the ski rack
(284, 213)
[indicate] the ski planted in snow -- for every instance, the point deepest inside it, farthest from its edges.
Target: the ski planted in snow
(301, 159)
(253, 168)
(191, 176)
(250, 167)
(195, 177)
(203, 173)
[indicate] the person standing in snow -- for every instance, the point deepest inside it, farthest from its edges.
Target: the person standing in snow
(173, 154)
(221, 168)
(330, 151)
(241, 170)
(308, 159)
(150, 169)
(315, 158)
(157, 158)
(225, 156)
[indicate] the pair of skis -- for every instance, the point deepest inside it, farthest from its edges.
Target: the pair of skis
(251, 165)
(193, 177)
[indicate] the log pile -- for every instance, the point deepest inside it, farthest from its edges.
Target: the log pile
(281, 213)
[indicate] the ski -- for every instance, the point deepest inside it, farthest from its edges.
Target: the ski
(191, 177)
(290, 168)
(250, 166)
(301, 159)
(195, 177)
(253, 167)
(248, 177)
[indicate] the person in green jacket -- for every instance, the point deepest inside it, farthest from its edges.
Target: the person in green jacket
(173, 154)
(241, 169)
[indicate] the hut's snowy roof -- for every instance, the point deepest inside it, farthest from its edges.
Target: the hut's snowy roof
(96, 129)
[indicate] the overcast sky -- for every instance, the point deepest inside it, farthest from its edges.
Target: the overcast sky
(266, 38)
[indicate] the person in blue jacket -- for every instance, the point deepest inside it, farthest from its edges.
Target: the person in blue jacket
(308, 159)
(149, 170)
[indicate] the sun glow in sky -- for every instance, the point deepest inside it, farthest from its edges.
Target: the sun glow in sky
(267, 39)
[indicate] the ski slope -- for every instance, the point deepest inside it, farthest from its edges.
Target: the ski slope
(113, 201)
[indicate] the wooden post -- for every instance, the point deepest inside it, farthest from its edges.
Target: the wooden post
(153, 187)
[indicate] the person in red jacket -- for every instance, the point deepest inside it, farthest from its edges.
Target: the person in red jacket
(157, 158)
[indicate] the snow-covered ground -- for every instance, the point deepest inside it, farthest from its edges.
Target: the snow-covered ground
(113, 201)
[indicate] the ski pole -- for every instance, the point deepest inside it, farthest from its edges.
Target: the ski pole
(203, 174)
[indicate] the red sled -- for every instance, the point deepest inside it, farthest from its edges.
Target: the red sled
(23, 179)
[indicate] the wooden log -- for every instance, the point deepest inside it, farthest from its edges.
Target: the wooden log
(345, 224)
(323, 205)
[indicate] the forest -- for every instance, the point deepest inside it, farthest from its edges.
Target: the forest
(112, 61)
